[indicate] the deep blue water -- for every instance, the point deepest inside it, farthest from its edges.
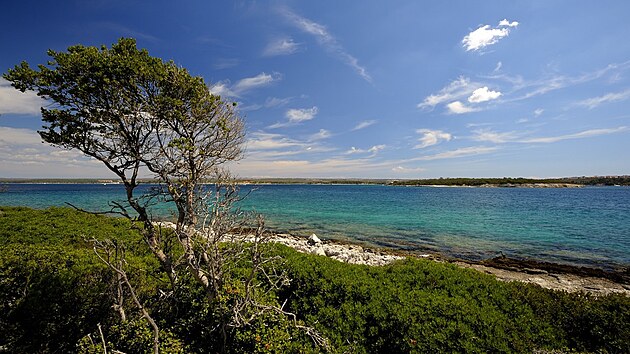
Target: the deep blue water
(585, 226)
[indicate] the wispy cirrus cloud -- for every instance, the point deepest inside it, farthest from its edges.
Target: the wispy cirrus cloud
(486, 35)
(579, 135)
(270, 102)
(431, 137)
(493, 137)
(522, 88)
(320, 135)
(364, 124)
(402, 169)
(607, 98)
(268, 141)
(225, 63)
(295, 116)
(375, 149)
(457, 153)
(13, 101)
(327, 40)
(23, 154)
(257, 81)
(265, 146)
(223, 88)
(124, 31)
(486, 135)
(300, 115)
(281, 46)
(457, 89)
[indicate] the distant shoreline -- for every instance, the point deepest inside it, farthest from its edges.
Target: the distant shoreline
(564, 182)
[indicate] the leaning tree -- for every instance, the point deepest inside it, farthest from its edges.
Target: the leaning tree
(138, 114)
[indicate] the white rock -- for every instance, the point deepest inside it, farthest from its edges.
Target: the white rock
(313, 240)
(319, 251)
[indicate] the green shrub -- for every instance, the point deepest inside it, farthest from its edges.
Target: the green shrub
(423, 306)
(51, 297)
(54, 292)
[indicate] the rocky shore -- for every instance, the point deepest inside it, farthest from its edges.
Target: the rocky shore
(546, 275)
(348, 253)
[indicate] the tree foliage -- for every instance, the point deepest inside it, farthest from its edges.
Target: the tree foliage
(136, 113)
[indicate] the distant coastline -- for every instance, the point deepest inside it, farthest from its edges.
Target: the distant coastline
(506, 182)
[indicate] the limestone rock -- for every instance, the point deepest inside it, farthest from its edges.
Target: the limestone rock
(314, 240)
(319, 251)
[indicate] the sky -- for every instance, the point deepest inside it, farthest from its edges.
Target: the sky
(361, 89)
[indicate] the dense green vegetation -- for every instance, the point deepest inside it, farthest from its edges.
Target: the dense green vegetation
(588, 181)
(54, 294)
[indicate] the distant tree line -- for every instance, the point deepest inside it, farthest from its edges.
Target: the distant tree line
(589, 181)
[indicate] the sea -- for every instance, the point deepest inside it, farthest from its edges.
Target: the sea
(587, 226)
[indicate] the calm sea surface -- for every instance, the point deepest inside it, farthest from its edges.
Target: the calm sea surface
(585, 226)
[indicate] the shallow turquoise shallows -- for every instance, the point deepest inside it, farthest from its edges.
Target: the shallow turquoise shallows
(583, 226)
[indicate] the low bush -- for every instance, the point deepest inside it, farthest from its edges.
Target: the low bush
(54, 294)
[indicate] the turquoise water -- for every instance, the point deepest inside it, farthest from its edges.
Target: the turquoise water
(585, 226)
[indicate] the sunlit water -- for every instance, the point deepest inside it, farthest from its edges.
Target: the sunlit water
(585, 226)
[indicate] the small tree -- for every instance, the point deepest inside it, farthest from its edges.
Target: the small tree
(135, 113)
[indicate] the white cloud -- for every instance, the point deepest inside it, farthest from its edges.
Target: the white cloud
(223, 88)
(263, 146)
(13, 101)
(512, 137)
(485, 35)
(373, 150)
(609, 97)
(332, 167)
(483, 94)
(459, 108)
(555, 81)
(23, 154)
(492, 136)
(459, 88)
(267, 141)
(431, 137)
(364, 124)
(271, 102)
(259, 80)
(580, 135)
(498, 67)
(401, 169)
(301, 115)
(281, 46)
(538, 112)
(327, 41)
(377, 148)
(296, 116)
(462, 152)
(507, 23)
(322, 134)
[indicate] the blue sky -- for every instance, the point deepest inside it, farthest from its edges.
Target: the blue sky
(370, 89)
